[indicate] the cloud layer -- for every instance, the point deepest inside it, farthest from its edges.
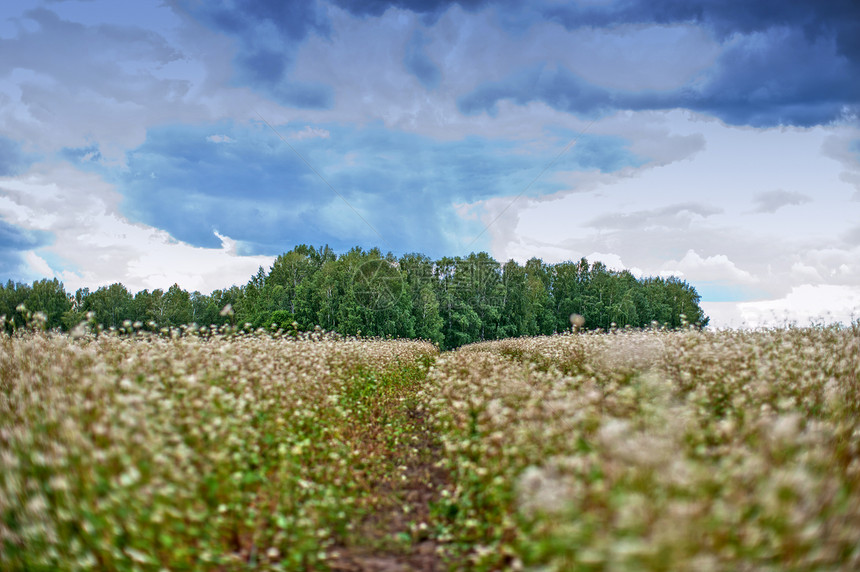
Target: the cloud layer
(717, 141)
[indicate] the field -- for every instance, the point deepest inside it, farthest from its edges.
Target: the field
(629, 450)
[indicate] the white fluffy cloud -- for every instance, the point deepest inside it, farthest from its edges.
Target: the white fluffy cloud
(710, 216)
(220, 139)
(804, 304)
(310, 133)
(770, 213)
(694, 267)
(95, 244)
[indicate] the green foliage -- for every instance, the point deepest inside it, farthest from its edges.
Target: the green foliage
(629, 450)
(450, 301)
(48, 297)
(279, 319)
(652, 450)
(229, 453)
(111, 305)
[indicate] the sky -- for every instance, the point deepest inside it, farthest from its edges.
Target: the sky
(179, 141)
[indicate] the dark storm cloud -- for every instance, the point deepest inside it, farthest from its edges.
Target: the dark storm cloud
(557, 87)
(786, 61)
(771, 78)
(14, 241)
(417, 62)
(269, 32)
(837, 18)
(424, 7)
(777, 77)
(783, 62)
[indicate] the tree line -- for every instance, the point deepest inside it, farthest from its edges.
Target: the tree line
(450, 301)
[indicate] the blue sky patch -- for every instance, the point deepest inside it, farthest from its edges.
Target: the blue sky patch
(243, 181)
(724, 291)
(14, 241)
(89, 154)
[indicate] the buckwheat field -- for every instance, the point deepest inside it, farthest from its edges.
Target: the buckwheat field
(628, 450)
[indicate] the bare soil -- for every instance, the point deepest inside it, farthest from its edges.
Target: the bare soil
(388, 542)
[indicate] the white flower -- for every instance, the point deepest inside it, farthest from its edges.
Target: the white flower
(543, 490)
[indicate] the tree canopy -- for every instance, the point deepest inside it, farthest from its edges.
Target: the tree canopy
(450, 301)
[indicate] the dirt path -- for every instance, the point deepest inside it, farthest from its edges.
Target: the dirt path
(389, 541)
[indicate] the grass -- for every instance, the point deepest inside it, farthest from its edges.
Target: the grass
(633, 450)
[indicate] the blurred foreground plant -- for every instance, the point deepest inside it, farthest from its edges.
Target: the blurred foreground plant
(653, 450)
(192, 451)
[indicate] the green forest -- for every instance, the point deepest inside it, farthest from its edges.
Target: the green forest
(450, 301)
